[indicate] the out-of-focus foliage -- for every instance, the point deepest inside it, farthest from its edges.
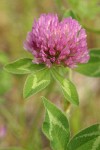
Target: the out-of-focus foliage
(85, 9)
(5, 78)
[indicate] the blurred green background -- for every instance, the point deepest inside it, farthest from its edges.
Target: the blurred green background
(21, 120)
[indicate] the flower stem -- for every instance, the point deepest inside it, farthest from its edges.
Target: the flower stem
(66, 106)
(70, 74)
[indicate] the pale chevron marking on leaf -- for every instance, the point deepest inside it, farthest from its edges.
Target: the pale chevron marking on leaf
(89, 134)
(36, 84)
(68, 87)
(54, 121)
(50, 130)
(96, 143)
(24, 67)
(50, 125)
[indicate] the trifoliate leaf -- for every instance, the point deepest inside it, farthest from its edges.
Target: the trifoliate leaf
(55, 126)
(87, 139)
(68, 88)
(36, 82)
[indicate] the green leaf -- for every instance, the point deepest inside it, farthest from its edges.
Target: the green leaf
(86, 9)
(68, 88)
(70, 13)
(94, 55)
(56, 126)
(23, 66)
(87, 139)
(92, 68)
(36, 82)
(97, 31)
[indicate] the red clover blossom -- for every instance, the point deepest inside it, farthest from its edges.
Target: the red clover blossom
(57, 42)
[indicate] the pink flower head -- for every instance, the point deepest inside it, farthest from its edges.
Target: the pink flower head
(57, 42)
